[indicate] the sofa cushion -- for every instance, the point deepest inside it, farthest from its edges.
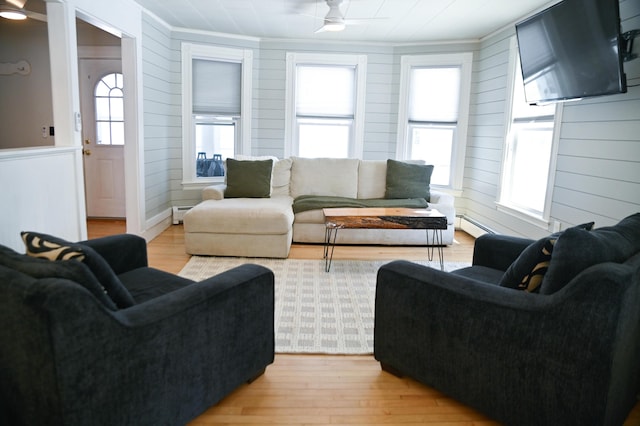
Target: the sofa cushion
(405, 180)
(577, 249)
(260, 216)
(336, 177)
(248, 179)
(53, 248)
(72, 270)
(372, 178)
(528, 270)
(281, 177)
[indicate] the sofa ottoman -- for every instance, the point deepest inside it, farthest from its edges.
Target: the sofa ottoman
(247, 227)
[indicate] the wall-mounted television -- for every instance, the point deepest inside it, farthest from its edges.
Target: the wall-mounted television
(572, 50)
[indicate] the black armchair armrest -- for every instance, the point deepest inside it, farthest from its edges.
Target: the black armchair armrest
(498, 251)
(123, 252)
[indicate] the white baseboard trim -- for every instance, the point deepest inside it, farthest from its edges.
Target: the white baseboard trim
(157, 224)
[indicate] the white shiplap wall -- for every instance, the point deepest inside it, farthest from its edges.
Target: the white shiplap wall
(598, 167)
(598, 164)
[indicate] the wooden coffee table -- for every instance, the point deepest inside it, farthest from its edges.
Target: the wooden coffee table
(384, 218)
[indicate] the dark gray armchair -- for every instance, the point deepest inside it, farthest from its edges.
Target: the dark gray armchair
(71, 355)
(569, 355)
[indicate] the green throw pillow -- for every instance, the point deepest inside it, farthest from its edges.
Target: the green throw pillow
(248, 179)
(405, 180)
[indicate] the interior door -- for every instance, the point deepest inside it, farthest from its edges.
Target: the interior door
(103, 161)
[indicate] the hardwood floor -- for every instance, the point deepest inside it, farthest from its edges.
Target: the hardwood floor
(327, 389)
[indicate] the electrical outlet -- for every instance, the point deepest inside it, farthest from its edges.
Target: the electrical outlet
(45, 131)
(556, 226)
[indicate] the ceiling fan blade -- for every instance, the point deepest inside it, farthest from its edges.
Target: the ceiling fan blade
(17, 3)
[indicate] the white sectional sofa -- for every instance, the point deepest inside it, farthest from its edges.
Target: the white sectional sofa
(266, 227)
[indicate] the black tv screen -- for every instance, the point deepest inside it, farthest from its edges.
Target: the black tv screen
(571, 50)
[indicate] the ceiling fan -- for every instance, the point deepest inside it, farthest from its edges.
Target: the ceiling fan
(334, 20)
(13, 9)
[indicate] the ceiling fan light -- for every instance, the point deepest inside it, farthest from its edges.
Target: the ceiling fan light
(13, 14)
(334, 26)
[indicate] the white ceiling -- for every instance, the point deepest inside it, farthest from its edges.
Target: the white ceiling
(397, 21)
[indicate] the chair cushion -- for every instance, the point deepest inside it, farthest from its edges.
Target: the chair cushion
(248, 179)
(528, 270)
(577, 249)
(148, 283)
(72, 270)
(53, 248)
(405, 180)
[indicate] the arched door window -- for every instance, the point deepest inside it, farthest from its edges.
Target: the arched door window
(109, 99)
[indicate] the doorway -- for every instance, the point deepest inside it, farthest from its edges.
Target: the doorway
(102, 111)
(101, 102)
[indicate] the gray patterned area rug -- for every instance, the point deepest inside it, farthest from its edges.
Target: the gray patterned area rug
(316, 312)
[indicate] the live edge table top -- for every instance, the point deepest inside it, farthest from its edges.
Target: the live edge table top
(384, 218)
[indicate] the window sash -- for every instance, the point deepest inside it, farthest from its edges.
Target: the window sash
(433, 143)
(434, 93)
(216, 86)
(527, 166)
(325, 91)
(324, 137)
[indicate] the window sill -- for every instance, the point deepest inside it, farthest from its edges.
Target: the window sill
(201, 184)
(535, 220)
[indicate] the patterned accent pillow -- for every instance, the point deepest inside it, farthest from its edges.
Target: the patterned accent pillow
(53, 248)
(529, 269)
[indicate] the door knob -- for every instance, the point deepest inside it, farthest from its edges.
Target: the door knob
(86, 151)
(87, 141)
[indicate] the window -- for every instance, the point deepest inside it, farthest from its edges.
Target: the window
(325, 95)
(216, 110)
(109, 100)
(434, 93)
(529, 151)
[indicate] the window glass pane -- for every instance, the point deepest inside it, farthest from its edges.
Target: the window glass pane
(117, 133)
(215, 142)
(325, 91)
(324, 138)
(103, 132)
(433, 144)
(434, 94)
(102, 109)
(102, 89)
(216, 86)
(117, 109)
(521, 108)
(529, 165)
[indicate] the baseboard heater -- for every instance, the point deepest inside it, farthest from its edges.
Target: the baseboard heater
(178, 213)
(473, 228)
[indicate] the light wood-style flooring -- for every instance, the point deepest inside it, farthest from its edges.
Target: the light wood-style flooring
(326, 389)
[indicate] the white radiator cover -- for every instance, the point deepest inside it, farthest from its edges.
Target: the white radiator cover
(178, 213)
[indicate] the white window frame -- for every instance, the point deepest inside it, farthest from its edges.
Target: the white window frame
(539, 220)
(190, 52)
(403, 150)
(356, 145)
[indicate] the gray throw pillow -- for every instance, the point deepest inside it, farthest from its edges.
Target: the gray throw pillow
(405, 180)
(248, 179)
